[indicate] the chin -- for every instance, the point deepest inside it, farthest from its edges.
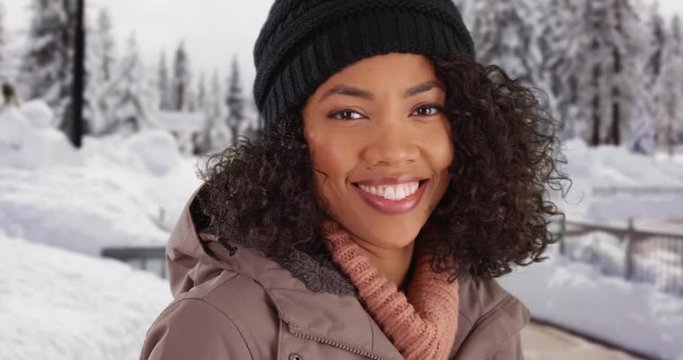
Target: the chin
(391, 235)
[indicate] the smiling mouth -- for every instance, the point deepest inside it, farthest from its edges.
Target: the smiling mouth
(392, 198)
(393, 192)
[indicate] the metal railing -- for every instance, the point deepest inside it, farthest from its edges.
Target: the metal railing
(636, 255)
(151, 258)
(624, 251)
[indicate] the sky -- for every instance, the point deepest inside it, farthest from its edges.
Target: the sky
(214, 31)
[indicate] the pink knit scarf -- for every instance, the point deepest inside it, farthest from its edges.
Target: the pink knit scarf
(421, 325)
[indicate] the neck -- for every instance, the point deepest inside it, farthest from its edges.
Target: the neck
(393, 263)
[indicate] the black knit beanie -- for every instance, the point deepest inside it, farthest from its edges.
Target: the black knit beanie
(304, 42)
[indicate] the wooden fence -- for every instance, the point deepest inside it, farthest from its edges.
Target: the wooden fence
(633, 254)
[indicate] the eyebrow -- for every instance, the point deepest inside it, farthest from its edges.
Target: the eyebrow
(363, 94)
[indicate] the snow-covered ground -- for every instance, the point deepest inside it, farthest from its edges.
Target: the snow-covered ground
(610, 183)
(119, 190)
(577, 296)
(56, 202)
(59, 305)
(58, 208)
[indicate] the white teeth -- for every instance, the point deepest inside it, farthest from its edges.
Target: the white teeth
(392, 192)
(400, 192)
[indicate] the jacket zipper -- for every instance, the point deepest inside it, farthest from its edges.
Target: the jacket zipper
(293, 328)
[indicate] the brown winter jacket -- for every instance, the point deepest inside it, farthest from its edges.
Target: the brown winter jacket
(246, 306)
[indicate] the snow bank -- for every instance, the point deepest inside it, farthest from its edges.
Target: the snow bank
(59, 305)
(156, 150)
(612, 183)
(37, 113)
(633, 315)
(120, 191)
(26, 143)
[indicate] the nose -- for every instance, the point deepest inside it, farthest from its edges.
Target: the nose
(391, 143)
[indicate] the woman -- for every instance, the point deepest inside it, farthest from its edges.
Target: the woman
(395, 178)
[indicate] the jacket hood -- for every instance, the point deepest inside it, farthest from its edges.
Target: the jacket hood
(189, 264)
(194, 257)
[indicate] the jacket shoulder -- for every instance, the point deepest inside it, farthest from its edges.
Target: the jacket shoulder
(230, 311)
(174, 335)
(489, 322)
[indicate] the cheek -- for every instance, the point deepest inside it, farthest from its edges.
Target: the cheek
(332, 157)
(440, 149)
(441, 152)
(327, 155)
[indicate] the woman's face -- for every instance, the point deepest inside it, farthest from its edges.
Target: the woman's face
(381, 147)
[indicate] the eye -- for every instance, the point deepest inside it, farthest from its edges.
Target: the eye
(345, 115)
(428, 110)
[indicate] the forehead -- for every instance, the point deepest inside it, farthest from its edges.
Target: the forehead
(394, 71)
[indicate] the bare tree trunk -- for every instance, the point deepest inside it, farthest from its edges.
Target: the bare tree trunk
(595, 136)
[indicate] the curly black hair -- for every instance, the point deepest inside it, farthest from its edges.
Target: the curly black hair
(495, 212)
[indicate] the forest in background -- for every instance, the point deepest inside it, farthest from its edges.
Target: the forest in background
(611, 71)
(123, 94)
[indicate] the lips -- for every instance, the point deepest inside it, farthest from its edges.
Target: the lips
(392, 196)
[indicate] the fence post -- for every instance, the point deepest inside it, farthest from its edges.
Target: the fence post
(629, 250)
(563, 229)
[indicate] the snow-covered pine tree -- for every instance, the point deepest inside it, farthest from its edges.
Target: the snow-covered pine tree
(611, 46)
(163, 83)
(46, 69)
(669, 89)
(235, 102)
(101, 62)
(215, 104)
(181, 80)
(552, 60)
(202, 100)
(645, 137)
(655, 23)
(3, 60)
(201, 143)
(104, 45)
(220, 133)
(135, 97)
(503, 34)
(216, 134)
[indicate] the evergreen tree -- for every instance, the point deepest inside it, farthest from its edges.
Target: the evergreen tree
(163, 83)
(104, 46)
(645, 141)
(135, 96)
(551, 58)
(3, 59)
(181, 82)
(669, 90)
(235, 102)
(503, 35)
(215, 104)
(101, 62)
(215, 135)
(656, 26)
(47, 67)
(611, 45)
(202, 100)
